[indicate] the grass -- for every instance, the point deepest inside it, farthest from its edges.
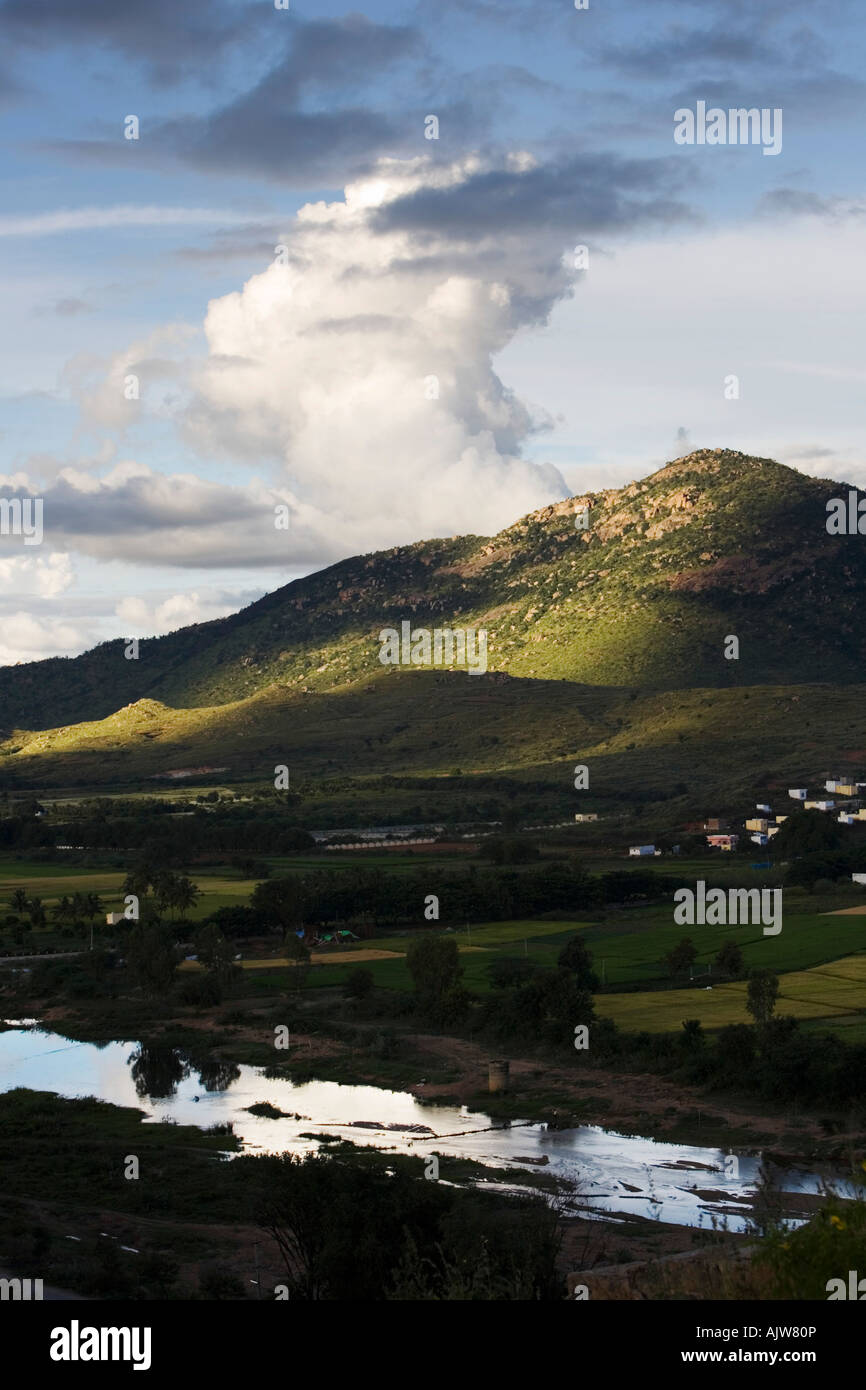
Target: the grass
(824, 993)
(51, 882)
(815, 953)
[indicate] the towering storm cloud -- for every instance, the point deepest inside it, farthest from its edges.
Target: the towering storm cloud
(361, 359)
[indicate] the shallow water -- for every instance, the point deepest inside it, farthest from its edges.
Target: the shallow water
(603, 1171)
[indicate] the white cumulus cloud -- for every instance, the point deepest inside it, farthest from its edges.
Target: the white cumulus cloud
(45, 577)
(153, 619)
(364, 365)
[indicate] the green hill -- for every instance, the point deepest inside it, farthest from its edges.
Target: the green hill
(586, 629)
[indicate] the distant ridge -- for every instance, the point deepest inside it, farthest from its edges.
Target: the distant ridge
(713, 543)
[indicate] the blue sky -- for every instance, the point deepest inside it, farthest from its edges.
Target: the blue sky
(307, 383)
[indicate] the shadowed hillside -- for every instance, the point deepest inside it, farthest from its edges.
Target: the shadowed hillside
(715, 543)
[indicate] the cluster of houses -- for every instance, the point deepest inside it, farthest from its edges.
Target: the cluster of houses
(765, 825)
(848, 811)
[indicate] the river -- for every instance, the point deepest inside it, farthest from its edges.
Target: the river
(604, 1173)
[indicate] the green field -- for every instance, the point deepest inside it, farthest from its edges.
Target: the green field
(826, 993)
(816, 953)
(51, 881)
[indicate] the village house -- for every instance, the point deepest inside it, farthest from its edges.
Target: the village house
(642, 849)
(723, 842)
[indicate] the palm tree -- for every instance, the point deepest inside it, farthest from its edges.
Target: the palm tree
(137, 881)
(185, 895)
(164, 889)
(63, 910)
(93, 905)
(36, 913)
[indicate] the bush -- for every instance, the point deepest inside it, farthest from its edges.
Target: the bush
(510, 971)
(360, 983)
(809, 1263)
(201, 991)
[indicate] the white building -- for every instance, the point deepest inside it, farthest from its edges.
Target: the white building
(798, 793)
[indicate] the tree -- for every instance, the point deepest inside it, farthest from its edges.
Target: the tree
(280, 902)
(79, 907)
(576, 957)
(807, 832)
(152, 957)
(762, 994)
(93, 906)
(730, 959)
(36, 912)
(298, 952)
(692, 1038)
(682, 956)
(63, 911)
(20, 900)
(185, 895)
(736, 1050)
(165, 889)
(138, 880)
(215, 952)
(510, 971)
(238, 921)
(434, 964)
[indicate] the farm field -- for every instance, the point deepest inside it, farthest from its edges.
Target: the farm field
(824, 993)
(51, 881)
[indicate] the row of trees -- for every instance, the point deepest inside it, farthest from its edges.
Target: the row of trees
(169, 891)
(369, 898)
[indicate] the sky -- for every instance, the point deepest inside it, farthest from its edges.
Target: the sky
(398, 272)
